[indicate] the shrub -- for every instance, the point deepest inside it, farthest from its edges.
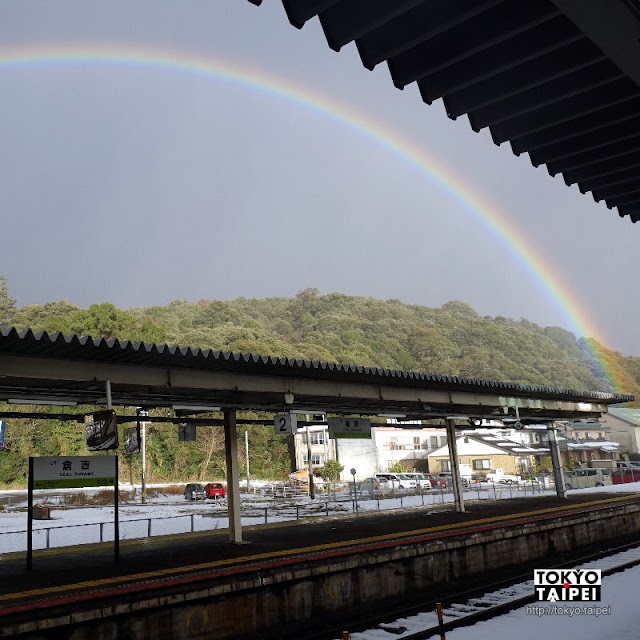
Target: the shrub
(103, 497)
(331, 470)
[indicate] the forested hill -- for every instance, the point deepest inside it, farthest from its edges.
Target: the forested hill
(452, 340)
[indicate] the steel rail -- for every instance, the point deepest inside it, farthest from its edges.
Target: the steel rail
(370, 621)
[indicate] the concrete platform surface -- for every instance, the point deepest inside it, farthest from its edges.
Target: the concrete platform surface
(187, 558)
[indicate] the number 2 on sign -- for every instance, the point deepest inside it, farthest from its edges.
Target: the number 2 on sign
(284, 423)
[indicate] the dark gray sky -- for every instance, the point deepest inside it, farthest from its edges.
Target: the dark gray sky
(139, 185)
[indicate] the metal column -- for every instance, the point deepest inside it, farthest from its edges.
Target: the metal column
(312, 488)
(142, 425)
(233, 475)
(455, 465)
(554, 449)
(246, 455)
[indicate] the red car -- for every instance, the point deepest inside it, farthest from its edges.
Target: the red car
(214, 490)
(437, 482)
(622, 476)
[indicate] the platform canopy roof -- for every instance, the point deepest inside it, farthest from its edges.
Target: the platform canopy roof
(557, 79)
(39, 368)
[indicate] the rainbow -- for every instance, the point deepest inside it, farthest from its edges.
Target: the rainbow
(477, 206)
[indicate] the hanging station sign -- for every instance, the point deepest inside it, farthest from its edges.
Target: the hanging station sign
(101, 430)
(187, 432)
(285, 423)
(349, 428)
(132, 440)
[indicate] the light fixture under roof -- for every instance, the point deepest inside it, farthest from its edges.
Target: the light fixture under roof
(46, 401)
(194, 407)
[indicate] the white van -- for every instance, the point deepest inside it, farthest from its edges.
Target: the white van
(587, 478)
(397, 480)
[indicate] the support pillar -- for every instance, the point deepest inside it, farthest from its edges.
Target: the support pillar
(233, 475)
(107, 392)
(455, 465)
(554, 449)
(312, 488)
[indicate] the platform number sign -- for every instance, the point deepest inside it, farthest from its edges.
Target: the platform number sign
(285, 423)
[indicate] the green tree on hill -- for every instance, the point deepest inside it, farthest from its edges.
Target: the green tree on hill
(7, 304)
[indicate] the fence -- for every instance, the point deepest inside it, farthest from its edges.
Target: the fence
(45, 537)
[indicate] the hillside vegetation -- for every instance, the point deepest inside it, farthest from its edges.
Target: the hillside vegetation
(452, 340)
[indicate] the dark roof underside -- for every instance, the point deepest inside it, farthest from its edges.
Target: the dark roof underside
(557, 79)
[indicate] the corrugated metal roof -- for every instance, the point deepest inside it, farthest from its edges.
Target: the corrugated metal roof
(585, 426)
(590, 446)
(508, 445)
(632, 416)
(557, 79)
(73, 347)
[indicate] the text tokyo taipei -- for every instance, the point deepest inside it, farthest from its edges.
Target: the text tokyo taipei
(555, 585)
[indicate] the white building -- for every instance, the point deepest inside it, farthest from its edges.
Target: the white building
(321, 446)
(387, 446)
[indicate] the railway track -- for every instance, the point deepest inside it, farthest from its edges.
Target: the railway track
(466, 607)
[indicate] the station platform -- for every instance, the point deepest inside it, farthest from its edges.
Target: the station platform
(71, 578)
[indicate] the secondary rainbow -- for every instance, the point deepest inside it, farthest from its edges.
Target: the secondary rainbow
(476, 205)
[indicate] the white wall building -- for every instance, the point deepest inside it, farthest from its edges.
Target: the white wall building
(387, 446)
(322, 447)
(409, 445)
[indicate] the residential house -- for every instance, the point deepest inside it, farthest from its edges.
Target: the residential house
(491, 446)
(486, 453)
(581, 442)
(625, 427)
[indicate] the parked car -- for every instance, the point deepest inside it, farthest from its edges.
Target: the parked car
(397, 480)
(194, 491)
(624, 475)
(422, 480)
(504, 478)
(214, 490)
(435, 482)
(371, 488)
(627, 464)
(587, 478)
(445, 479)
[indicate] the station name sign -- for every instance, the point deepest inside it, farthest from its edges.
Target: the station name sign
(66, 472)
(349, 427)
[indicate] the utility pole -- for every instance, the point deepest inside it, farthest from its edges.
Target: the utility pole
(312, 489)
(143, 450)
(246, 450)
